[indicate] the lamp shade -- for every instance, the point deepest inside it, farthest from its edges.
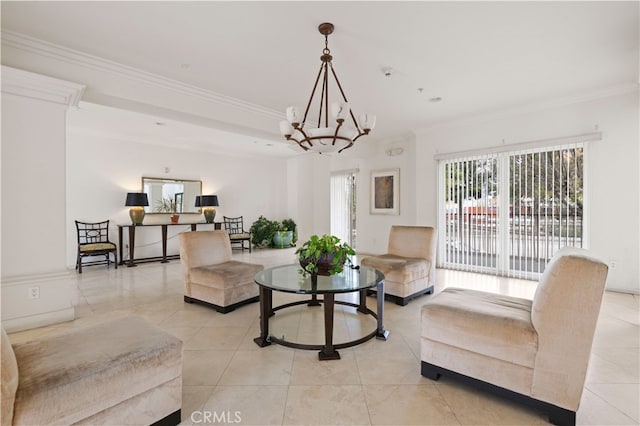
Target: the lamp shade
(198, 201)
(136, 199)
(208, 201)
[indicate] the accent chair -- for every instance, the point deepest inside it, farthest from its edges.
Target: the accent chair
(409, 266)
(534, 351)
(211, 276)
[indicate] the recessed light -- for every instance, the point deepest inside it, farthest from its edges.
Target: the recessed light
(159, 123)
(436, 99)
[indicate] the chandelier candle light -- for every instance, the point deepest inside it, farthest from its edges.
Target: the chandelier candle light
(323, 137)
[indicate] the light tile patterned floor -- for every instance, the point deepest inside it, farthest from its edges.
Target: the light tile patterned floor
(376, 383)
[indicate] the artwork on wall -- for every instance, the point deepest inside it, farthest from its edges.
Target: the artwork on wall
(385, 192)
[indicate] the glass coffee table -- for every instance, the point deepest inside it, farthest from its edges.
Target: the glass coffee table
(288, 279)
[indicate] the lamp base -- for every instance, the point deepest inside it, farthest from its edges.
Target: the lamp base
(209, 214)
(137, 215)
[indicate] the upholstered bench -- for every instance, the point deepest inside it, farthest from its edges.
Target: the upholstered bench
(123, 372)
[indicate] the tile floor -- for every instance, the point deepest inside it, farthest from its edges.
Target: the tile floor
(376, 383)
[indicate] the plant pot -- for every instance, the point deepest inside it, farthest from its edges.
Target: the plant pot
(324, 264)
(282, 239)
(175, 218)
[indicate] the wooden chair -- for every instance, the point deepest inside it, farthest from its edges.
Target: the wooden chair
(237, 234)
(93, 240)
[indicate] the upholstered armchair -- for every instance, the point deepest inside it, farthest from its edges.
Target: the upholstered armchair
(536, 352)
(211, 276)
(409, 266)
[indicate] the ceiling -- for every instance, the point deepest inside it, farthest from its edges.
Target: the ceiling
(478, 57)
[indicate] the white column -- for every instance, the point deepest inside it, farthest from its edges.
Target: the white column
(36, 285)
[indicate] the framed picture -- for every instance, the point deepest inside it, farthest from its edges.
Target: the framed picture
(385, 192)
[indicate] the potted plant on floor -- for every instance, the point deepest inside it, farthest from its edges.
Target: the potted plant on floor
(262, 232)
(325, 255)
(286, 235)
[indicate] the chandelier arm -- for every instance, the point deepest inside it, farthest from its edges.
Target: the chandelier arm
(335, 135)
(360, 134)
(348, 146)
(353, 117)
(326, 94)
(306, 137)
(313, 92)
(298, 142)
(322, 93)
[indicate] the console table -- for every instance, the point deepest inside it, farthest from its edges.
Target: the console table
(132, 241)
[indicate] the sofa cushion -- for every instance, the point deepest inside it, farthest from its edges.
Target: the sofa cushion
(225, 275)
(489, 324)
(69, 377)
(398, 269)
(9, 379)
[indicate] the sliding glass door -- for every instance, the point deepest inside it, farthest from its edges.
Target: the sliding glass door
(509, 212)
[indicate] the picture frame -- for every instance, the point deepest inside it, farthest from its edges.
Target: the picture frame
(385, 192)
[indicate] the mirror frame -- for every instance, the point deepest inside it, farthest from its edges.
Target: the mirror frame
(149, 209)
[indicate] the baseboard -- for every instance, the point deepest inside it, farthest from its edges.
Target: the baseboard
(39, 320)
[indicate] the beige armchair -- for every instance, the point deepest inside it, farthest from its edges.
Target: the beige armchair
(409, 266)
(211, 276)
(536, 351)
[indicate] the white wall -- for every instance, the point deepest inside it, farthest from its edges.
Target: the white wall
(100, 172)
(312, 176)
(613, 178)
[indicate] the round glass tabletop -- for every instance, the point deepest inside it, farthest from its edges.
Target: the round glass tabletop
(288, 278)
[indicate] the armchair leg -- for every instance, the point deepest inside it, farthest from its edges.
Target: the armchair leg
(429, 371)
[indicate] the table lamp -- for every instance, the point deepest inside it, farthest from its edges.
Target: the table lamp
(208, 202)
(137, 201)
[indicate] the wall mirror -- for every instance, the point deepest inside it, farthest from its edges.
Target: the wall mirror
(171, 195)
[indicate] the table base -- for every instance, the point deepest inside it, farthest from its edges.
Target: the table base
(328, 351)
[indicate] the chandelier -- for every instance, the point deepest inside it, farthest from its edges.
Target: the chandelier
(324, 136)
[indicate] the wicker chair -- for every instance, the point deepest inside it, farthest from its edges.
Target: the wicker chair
(93, 240)
(237, 234)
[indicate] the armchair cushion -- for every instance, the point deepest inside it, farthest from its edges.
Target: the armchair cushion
(485, 323)
(225, 275)
(399, 269)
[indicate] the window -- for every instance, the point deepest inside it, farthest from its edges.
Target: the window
(508, 212)
(343, 206)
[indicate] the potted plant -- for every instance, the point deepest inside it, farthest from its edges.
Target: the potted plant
(168, 205)
(285, 236)
(262, 232)
(271, 233)
(324, 255)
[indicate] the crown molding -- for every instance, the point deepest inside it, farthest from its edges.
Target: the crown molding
(44, 48)
(36, 86)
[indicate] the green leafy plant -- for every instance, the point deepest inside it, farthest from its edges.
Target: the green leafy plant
(263, 231)
(324, 254)
(290, 225)
(165, 205)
